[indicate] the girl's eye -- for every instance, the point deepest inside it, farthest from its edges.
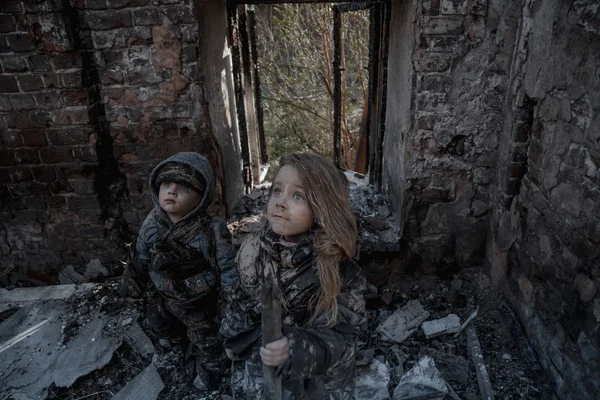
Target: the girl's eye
(277, 192)
(185, 189)
(166, 184)
(298, 196)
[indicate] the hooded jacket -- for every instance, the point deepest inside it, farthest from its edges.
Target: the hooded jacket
(322, 358)
(192, 258)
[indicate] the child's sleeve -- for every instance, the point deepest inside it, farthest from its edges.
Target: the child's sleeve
(240, 325)
(319, 350)
(135, 276)
(225, 255)
(146, 239)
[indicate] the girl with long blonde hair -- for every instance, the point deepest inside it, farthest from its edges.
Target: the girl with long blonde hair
(306, 249)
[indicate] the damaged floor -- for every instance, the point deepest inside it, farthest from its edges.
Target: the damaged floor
(90, 344)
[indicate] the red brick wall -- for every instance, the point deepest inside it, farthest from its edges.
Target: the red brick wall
(93, 93)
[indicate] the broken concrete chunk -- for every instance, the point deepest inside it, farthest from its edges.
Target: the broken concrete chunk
(372, 384)
(403, 322)
(69, 275)
(422, 381)
(442, 326)
(95, 269)
(145, 386)
(140, 342)
(355, 179)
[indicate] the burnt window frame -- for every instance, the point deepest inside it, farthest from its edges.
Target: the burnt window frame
(242, 39)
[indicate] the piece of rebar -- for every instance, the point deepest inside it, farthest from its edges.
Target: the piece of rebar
(483, 379)
(271, 331)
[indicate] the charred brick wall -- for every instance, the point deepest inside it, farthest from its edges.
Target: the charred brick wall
(492, 156)
(93, 94)
(544, 248)
(449, 67)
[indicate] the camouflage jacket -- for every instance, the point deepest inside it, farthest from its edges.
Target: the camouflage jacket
(213, 266)
(321, 357)
(190, 260)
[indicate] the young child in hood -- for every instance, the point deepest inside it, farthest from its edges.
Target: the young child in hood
(188, 258)
(306, 249)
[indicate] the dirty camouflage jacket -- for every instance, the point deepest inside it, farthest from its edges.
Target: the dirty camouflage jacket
(321, 358)
(188, 262)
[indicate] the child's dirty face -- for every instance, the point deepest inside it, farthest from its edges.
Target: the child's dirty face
(177, 200)
(288, 211)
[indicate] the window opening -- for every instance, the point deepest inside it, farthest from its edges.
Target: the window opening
(368, 145)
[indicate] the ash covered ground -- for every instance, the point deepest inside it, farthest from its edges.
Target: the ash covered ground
(512, 366)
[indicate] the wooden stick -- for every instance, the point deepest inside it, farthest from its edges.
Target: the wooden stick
(483, 379)
(464, 325)
(271, 331)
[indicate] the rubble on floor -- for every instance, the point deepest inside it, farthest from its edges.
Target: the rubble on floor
(145, 386)
(394, 341)
(401, 324)
(84, 341)
(48, 353)
(378, 229)
(373, 383)
(442, 326)
(100, 320)
(404, 342)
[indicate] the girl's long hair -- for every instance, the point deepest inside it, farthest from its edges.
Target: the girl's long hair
(326, 190)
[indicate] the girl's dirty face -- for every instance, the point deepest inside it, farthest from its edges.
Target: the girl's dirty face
(288, 211)
(177, 200)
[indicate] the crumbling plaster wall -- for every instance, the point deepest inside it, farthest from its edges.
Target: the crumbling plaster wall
(497, 126)
(93, 93)
(448, 77)
(544, 245)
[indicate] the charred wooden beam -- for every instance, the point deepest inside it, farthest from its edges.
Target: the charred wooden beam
(374, 47)
(483, 378)
(251, 124)
(234, 40)
(264, 155)
(337, 86)
(383, 63)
